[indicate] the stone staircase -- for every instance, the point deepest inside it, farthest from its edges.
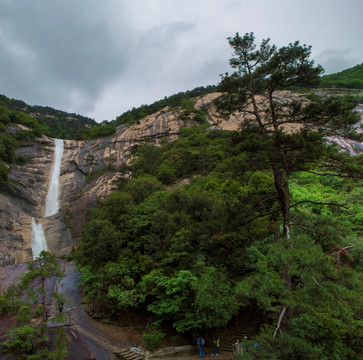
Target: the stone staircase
(128, 354)
(249, 329)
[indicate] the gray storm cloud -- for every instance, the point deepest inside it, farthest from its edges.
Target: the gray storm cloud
(101, 58)
(335, 60)
(58, 51)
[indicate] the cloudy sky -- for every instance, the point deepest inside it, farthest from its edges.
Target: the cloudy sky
(100, 58)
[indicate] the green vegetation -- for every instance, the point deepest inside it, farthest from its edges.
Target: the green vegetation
(30, 301)
(180, 100)
(56, 123)
(172, 101)
(196, 255)
(63, 125)
(351, 78)
(153, 339)
(15, 127)
(268, 220)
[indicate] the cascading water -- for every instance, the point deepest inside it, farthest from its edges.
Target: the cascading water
(52, 204)
(38, 239)
(39, 242)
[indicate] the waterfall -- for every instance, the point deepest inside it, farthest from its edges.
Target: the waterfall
(38, 239)
(52, 204)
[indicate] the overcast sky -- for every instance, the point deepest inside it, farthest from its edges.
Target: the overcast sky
(99, 58)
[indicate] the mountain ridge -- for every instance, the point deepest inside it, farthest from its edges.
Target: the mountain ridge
(349, 78)
(59, 123)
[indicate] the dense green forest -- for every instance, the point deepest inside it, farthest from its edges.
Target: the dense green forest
(57, 124)
(269, 220)
(350, 78)
(197, 255)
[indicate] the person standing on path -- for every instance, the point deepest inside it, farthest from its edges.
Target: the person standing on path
(245, 343)
(216, 346)
(201, 343)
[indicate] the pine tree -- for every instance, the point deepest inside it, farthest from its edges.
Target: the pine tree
(282, 130)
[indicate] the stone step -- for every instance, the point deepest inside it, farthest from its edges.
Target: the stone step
(249, 330)
(127, 354)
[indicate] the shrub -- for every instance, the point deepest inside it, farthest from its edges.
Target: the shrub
(4, 172)
(153, 340)
(20, 340)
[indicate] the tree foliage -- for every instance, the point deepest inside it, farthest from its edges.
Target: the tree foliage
(182, 254)
(268, 217)
(265, 71)
(31, 301)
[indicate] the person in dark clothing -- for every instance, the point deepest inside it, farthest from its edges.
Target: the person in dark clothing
(245, 343)
(201, 343)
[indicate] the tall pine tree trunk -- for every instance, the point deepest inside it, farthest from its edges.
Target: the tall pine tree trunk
(282, 189)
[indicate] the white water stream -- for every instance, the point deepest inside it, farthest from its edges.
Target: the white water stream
(38, 239)
(52, 204)
(39, 242)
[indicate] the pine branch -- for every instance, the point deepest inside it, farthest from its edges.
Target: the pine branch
(308, 228)
(334, 174)
(318, 203)
(345, 248)
(259, 204)
(337, 254)
(262, 215)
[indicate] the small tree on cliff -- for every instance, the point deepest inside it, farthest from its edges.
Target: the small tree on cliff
(33, 282)
(34, 289)
(285, 133)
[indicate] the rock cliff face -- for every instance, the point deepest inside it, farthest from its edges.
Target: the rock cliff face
(80, 182)
(30, 184)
